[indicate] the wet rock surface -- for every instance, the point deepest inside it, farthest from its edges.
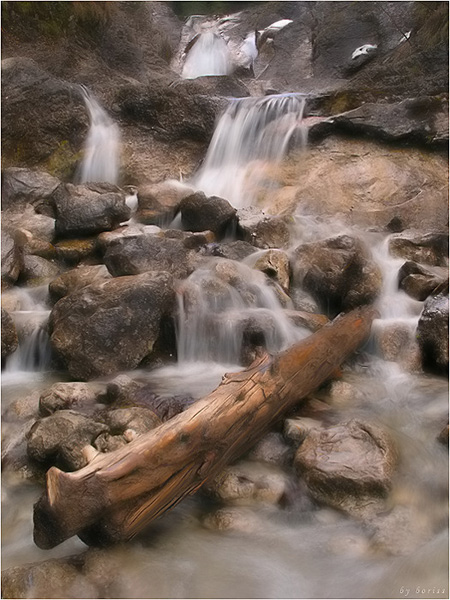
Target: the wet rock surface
(159, 203)
(75, 279)
(107, 327)
(432, 333)
(261, 230)
(71, 395)
(199, 213)
(9, 335)
(347, 465)
(430, 249)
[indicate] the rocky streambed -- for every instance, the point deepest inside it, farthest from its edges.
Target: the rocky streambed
(125, 301)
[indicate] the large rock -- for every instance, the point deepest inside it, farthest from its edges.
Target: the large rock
(9, 335)
(347, 465)
(43, 117)
(87, 209)
(199, 213)
(26, 186)
(430, 248)
(12, 260)
(42, 226)
(419, 282)
(107, 327)
(337, 273)
(432, 333)
(61, 437)
(237, 250)
(275, 264)
(76, 279)
(261, 230)
(158, 203)
(38, 271)
(139, 254)
(67, 395)
(73, 251)
(140, 420)
(33, 245)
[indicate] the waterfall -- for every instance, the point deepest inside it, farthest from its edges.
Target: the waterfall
(252, 135)
(208, 56)
(220, 304)
(101, 153)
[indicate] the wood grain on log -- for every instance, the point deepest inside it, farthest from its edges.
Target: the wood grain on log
(122, 491)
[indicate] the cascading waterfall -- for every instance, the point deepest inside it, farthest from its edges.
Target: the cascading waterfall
(251, 135)
(208, 56)
(222, 300)
(101, 153)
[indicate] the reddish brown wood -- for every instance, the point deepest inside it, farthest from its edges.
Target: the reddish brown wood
(121, 492)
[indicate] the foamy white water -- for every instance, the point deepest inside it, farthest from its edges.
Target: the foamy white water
(102, 149)
(251, 134)
(208, 56)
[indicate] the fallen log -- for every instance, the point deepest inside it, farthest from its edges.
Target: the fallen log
(119, 493)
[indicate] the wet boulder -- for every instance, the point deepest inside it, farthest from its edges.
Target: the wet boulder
(233, 518)
(337, 272)
(76, 279)
(249, 482)
(430, 248)
(397, 342)
(158, 203)
(347, 465)
(40, 226)
(139, 254)
(191, 241)
(275, 264)
(111, 326)
(9, 335)
(26, 186)
(140, 420)
(419, 282)
(33, 245)
(12, 260)
(271, 449)
(125, 231)
(237, 250)
(80, 396)
(38, 271)
(261, 230)
(73, 251)
(432, 333)
(83, 210)
(199, 213)
(61, 438)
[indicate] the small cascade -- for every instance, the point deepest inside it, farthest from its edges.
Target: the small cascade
(30, 317)
(251, 138)
(225, 303)
(101, 153)
(393, 304)
(207, 56)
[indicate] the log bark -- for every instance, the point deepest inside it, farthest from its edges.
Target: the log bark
(119, 493)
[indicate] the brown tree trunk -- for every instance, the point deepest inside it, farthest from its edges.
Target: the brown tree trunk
(121, 492)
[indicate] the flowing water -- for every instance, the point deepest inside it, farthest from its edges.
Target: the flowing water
(251, 135)
(208, 56)
(300, 550)
(102, 148)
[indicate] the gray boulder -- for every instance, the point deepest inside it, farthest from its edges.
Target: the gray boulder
(67, 395)
(26, 186)
(140, 420)
(261, 230)
(430, 248)
(432, 333)
(76, 279)
(347, 465)
(419, 282)
(275, 264)
(12, 260)
(111, 326)
(337, 272)
(9, 335)
(159, 203)
(237, 250)
(61, 438)
(38, 271)
(142, 253)
(88, 209)
(199, 213)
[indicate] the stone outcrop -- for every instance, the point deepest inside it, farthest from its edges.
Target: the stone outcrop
(107, 327)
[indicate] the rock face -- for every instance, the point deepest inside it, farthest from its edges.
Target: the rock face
(432, 333)
(337, 273)
(199, 213)
(62, 437)
(348, 464)
(43, 115)
(142, 253)
(111, 326)
(86, 209)
(9, 335)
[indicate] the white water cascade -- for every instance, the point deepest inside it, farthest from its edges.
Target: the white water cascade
(34, 353)
(252, 135)
(219, 302)
(208, 56)
(102, 148)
